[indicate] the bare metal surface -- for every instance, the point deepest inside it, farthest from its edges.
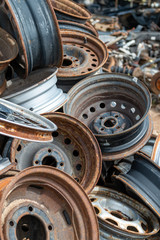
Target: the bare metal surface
(47, 202)
(38, 92)
(21, 123)
(121, 217)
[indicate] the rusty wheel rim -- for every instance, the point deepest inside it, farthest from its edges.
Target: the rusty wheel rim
(84, 55)
(121, 126)
(74, 150)
(121, 216)
(21, 123)
(69, 10)
(30, 55)
(63, 210)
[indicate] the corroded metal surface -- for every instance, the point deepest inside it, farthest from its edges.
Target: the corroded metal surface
(155, 83)
(84, 55)
(143, 180)
(8, 52)
(115, 107)
(71, 11)
(86, 28)
(38, 92)
(73, 150)
(21, 123)
(121, 217)
(45, 203)
(37, 33)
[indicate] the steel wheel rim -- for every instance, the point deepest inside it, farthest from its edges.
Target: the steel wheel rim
(38, 92)
(60, 185)
(68, 152)
(104, 108)
(92, 54)
(21, 123)
(125, 216)
(30, 55)
(69, 10)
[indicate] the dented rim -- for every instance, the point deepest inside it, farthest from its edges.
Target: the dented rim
(38, 92)
(83, 55)
(121, 217)
(49, 200)
(74, 150)
(21, 123)
(115, 107)
(143, 180)
(41, 26)
(71, 11)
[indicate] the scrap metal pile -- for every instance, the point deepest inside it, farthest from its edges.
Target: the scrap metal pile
(78, 159)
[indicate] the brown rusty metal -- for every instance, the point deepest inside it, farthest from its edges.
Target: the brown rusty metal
(74, 150)
(155, 83)
(49, 200)
(156, 151)
(69, 10)
(70, 25)
(84, 55)
(16, 121)
(121, 217)
(8, 52)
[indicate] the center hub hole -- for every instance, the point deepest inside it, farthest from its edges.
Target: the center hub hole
(111, 122)
(66, 62)
(30, 227)
(49, 161)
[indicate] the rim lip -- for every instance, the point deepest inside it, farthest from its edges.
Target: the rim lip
(105, 77)
(19, 32)
(50, 173)
(87, 187)
(98, 190)
(15, 46)
(79, 35)
(88, 14)
(88, 26)
(58, 31)
(51, 126)
(131, 150)
(54, 72)
(121, 177)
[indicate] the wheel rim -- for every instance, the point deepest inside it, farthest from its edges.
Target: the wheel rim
(120, 214)
(68, 152)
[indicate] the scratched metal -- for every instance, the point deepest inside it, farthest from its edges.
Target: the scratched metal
(45, 203)
(35, 27)
(121, 217)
